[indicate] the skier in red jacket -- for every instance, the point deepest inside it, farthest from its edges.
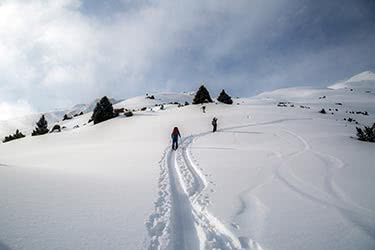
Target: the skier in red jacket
(175, 134)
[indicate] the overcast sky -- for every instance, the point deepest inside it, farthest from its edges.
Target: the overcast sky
(56, 53)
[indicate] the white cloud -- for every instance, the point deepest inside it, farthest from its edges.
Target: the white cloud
(53, 52)
(13, 110)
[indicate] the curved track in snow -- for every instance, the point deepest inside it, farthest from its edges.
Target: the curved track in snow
(181, 220)
(332, 196)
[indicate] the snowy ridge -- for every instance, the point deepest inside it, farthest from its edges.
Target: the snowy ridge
(159, 98)
(359, 88)
(364, 76)
(26, 124)
(364, 80)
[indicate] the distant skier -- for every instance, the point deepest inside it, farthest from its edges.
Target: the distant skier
(204, 109)
(175, 134)
(214, 124)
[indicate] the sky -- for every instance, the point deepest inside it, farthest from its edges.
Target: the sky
(57, 53)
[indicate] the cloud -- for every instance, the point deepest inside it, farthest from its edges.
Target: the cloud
(55, 53)
(13, 110)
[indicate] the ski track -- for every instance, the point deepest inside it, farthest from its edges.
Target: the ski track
(181, 189)
(360, 217)
(181, 219)
(158, 223)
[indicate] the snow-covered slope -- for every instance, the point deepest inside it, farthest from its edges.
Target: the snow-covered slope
(86, 108)
(364, 80)
(273, 178)
(353, 95)
(159, 98)
(27, 123)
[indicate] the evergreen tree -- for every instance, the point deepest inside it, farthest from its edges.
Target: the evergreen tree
(103, 111)
(15, 136)
(366, 134)
(41, 127)
(202, 96)
(18, 134)
(224, 98)
(360, 134)
(66, 117)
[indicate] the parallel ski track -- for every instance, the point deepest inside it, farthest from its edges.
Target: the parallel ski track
(181, 220)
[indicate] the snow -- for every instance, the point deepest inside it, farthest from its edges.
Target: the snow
(364, 76)
(364, 80)
(283, 178)
(164, 98)
(27, 123)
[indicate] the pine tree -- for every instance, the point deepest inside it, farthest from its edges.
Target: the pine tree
(15, 136)
(41, 127)
(103, 111)
(202, 96)
(66, 117)
(366, 134)
(360, 134)
(225, 98)
(18, 134)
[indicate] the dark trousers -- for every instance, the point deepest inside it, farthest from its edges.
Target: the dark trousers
(215, 128)
(174, 144)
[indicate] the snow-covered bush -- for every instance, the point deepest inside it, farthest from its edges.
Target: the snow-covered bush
(103, 111)
(366, 134)
(202, 96)
(41, 127)
(15, 136)
(225, 98)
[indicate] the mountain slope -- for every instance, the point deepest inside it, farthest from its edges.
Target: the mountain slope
(270, 178)
(364, 80)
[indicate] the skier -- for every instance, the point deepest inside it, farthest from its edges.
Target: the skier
(214, 124)
(204, 109)
(175, 134)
